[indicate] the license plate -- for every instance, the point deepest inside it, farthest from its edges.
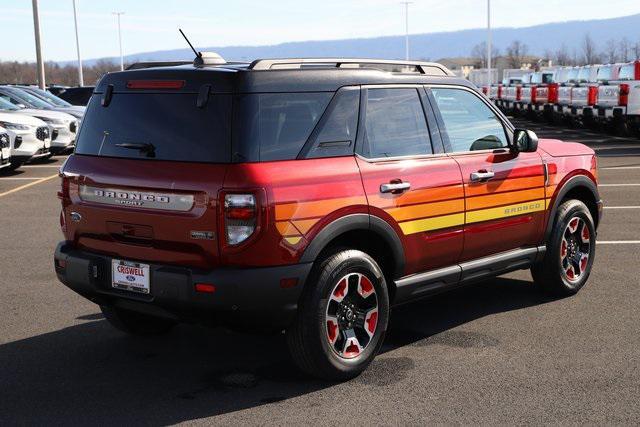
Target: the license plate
(130, 276)
(4, 153)
(47, 144)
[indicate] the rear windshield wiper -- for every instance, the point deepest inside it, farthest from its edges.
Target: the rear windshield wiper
(148, 149)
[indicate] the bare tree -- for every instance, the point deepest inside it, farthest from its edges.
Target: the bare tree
(589, 52)
(516, 52)
(479, 54)
(562, 56)
(636, 50)
(624, 49)
(611, 51)
(15, 72)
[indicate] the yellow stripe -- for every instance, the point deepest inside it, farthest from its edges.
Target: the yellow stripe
(427, 224)
(293, 239)
(31, 184)
(426, 209)
(491, 200)
(506, 211)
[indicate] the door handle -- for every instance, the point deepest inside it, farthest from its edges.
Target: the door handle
(394, 187)
(482, 175)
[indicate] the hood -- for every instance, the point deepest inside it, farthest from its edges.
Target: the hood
(20, 118)
(50, 114)
(558, 148)
(70, 110)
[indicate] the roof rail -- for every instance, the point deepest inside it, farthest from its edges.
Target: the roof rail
(428, 68)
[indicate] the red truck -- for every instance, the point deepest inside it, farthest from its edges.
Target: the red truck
(311, 196)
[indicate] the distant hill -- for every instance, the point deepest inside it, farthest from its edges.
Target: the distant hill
(538, 38)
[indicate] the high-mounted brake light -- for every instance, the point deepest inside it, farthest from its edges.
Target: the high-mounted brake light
(623, 97)
(155, 84)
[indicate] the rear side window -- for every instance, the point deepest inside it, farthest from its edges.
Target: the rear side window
(469, 124)
(158, 126)
(627, 72)
(275, 126)
(395, 124)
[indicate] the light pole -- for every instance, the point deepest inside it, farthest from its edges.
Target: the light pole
(36, 30)
(406, 28)
(75, 21)
(118, 14)
(489, 75)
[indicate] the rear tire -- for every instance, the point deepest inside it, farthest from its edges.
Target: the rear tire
(134, 323)
(342, 317)
(567, 263)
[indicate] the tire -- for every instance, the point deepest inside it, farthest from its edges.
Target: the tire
(570, 254)
(321, 339)
(136, 323)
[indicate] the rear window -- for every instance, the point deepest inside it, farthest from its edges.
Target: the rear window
(158, 126)
(605, 73)
(275, 126)
(627, 72)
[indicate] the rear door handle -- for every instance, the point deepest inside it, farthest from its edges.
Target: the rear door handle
(482, 176)
(394, 187)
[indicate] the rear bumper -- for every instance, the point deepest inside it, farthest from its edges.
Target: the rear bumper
(249, 297)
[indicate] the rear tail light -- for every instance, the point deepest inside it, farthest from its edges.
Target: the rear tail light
(592, 96)
(623, 98)
(552, 95)
(63, 194)
(534, 94)
(485, 90)
(240, 217)
(518, 93)
(205, 288)
(636, 70)
(499, 91)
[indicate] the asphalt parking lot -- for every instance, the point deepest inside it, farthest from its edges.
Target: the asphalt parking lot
(497, 352)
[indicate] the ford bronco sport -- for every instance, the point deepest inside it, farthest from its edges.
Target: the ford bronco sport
(311, 196)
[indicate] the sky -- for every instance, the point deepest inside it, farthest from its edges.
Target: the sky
(150, 25)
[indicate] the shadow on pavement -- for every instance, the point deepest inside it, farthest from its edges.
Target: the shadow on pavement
(89, 373)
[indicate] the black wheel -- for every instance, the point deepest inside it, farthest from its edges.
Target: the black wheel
(570, 251)
(136, 323)
(342, 317)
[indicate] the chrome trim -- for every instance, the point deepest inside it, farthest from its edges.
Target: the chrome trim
(482, 176)
(137, 198)
(395, 186)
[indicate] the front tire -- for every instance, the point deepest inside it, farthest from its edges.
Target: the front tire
(567, 263)
(342, 317)
(136, 323)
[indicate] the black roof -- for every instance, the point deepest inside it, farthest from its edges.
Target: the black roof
(241, 78)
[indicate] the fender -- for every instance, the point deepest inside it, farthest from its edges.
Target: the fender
(570, 184)
(355, 222)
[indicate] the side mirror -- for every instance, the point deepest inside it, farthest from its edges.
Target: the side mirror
(525, 141)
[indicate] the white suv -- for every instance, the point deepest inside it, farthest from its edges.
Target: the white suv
(30, 138)
(5, 148)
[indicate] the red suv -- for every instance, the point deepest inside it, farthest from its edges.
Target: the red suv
(311, 196)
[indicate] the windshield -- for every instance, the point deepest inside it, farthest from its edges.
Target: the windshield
(584, 74)
(27, 99)
(627, 72)
(605, 73)
(158, 126)
(6, 105)
(48, 97)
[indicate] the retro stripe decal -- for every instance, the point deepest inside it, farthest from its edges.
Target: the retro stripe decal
(435, 223)
(505, 211)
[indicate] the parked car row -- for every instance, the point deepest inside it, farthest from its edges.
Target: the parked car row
(602, 96)
(35, 124)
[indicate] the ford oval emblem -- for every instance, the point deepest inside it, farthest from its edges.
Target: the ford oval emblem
(76, 217)
(131, 278)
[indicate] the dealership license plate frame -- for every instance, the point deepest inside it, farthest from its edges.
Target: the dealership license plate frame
(131, 281)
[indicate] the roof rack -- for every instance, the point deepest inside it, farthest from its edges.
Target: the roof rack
(398, 66)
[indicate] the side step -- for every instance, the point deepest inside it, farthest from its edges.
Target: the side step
(421, 285)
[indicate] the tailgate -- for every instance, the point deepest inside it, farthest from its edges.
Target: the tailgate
(579, 96)
(564, 95)
(139, 210)
(608, 95)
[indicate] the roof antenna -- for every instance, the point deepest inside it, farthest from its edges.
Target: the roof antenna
(198, 59)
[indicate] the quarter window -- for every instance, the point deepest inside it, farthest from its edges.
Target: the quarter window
(395, 124)
(469, 124)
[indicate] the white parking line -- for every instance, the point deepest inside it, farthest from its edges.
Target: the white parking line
(41, 166)
(621, 167)
(618, 242)
(622, 207)
(618, 185)
(31, 184)
(19, 178)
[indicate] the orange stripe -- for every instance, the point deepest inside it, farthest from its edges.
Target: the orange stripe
(509, 184)
(426, 210)
(482, 202)
(419, 195)
(285, 228)
(305, 225)
(316, 208)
